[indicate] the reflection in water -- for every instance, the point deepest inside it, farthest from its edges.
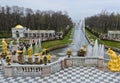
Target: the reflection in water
(78, 40)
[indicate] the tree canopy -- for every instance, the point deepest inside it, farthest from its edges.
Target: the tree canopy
(36, 20)
(103, 22)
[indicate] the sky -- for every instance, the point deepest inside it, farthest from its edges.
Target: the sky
(77, 9)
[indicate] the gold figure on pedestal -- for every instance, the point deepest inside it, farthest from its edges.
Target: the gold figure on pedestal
(20, 57)
(114, 62)
(49, 57)
(82, 51)
(4, 47)
(8, 59)
(29, 52)
(41, 58)
(29, 55)
(69, 52)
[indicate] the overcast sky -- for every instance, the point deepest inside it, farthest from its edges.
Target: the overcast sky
(77, 9)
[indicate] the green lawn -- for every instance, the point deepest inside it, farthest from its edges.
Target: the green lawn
(55, 43)
(105, 42)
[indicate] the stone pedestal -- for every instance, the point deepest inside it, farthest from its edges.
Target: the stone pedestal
(4, 55)
(41, 61)
(29, 60)
(36, 60)
(46, 71)
(21, 59)
(8, 71)
(68, 63)
(100, 62)
(63, 64)
(15, 59)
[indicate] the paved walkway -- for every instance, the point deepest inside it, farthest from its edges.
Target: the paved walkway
(68, 75)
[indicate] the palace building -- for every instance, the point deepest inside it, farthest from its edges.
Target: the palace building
(22, 32)
(114, 35)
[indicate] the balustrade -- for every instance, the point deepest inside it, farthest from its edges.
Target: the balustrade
(44, 70)
(27, 70)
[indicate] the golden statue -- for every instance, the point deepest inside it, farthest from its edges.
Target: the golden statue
(48, 57)
(41, 58)
(69, 52)
(82, 51)
(4, 46)
(8, 59)
(29, 52)
(114, 62)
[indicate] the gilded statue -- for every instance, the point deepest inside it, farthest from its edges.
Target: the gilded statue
(4, 46)
(29, 52)
(114, 62)
(69, 52)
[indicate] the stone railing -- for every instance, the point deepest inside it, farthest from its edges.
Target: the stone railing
(84, 61)
(44, 70)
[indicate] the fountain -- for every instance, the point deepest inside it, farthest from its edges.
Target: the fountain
(95, 51)
(31, 46)
(95, 48)
(10, 46)
(39, 44)
(17, 40)
(101, 51)
(89, 51)
(24, 50)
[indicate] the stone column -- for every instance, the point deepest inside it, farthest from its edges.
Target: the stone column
(46, 70)
(63, 64)
(8, 71)
(52, 35)
(68, 63)
(119, 36)
(28, 35)
(43, 36)
(114, 35)
(111, 36)
(100, 62)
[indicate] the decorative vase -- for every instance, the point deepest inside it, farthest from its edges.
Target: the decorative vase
(8, 59)
(36, 58)
(30, 60)
(20, 57)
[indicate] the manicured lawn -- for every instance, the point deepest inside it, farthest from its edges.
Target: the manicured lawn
(105, 42)
(55, 43)
(112, 44)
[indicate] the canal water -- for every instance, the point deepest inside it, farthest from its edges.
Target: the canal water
(79, 39)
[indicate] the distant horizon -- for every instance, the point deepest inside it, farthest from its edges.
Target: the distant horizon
(77, 9)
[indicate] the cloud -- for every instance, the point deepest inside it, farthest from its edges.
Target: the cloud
(76, 8)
